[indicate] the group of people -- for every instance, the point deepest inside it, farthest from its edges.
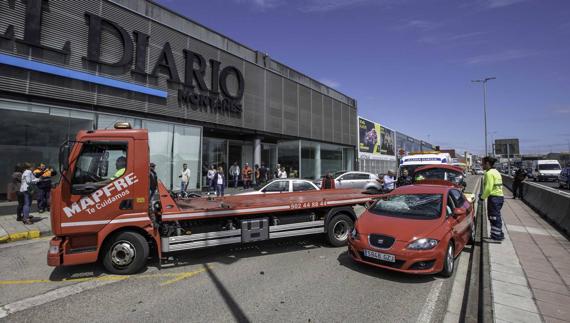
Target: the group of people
(28, 182)
(390, 181)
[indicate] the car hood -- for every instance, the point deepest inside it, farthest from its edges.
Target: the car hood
(402, 229)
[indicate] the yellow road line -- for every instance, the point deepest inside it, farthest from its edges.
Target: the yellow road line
(175, 277)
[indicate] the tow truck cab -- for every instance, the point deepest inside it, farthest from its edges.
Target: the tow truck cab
(101, 209)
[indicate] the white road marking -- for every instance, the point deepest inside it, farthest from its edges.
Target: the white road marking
(431, 301)
(51, 296)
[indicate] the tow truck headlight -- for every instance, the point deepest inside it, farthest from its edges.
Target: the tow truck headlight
(423, 244)
(354, 234)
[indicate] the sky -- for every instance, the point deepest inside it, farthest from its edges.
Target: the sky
(409, 63)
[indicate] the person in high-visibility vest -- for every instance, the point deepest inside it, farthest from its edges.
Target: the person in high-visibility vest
(493, 193)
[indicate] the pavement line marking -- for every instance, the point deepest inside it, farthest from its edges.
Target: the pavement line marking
(431, 300)
(174, 278)
(182, 277)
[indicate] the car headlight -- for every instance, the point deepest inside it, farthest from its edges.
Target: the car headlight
(423, 244)
(354, 234)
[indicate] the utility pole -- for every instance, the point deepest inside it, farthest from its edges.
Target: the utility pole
(484, 81)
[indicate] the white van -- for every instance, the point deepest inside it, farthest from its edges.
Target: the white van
(413, 161)
(545, 170)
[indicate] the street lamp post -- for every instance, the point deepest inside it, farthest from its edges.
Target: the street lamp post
(484, 81)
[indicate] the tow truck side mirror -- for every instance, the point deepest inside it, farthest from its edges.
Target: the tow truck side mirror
(64, 156)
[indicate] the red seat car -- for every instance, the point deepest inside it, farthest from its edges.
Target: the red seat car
(417, 229)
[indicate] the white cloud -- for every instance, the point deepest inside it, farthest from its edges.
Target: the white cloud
(330, 83)
(449, 38)
(502, 3)
(504, 56)
(262, 4)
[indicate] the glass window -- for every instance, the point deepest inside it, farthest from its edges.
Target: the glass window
(99, 162)
(214, 153)
(300, 186)
(457, 197)
(331, 158)
(362, 176)
(186, 150)
(33, 133)
(160, 144)
(288, 156)
(278, 186)
(423, 206)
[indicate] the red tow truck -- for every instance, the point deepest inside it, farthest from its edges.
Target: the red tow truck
(101, 211)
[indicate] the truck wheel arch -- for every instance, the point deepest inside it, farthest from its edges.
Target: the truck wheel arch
(346, 210)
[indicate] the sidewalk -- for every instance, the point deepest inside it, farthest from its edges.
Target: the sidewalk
(12, 230)
(530, 269)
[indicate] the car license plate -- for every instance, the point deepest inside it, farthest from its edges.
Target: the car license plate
(379, 255)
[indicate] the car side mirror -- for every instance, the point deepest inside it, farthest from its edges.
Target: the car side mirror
(459, 211)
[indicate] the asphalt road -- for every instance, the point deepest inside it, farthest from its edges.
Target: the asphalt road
(294, 279)
(553, 185)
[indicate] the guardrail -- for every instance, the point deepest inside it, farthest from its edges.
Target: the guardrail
(552, 204)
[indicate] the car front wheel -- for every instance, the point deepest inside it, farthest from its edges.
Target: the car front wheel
(449, 261)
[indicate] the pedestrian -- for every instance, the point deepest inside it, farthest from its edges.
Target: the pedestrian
(27, 189)
(276, 171)
(220, 182)
(210, 176)
(389, 181)
(520, 176)
(246, 176)
(256, 174)
(493, 193)
(282, 173)
(153, 180)
(45, 174)
(234, 173)
(185, 178)
(405, 178)
(17, 183)
(263, 173)
(328, 182)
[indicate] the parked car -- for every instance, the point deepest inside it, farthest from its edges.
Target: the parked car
(564, 178)
(284, 186)
(417, 229)
(545, 170)
(478, 171)
(353, 179)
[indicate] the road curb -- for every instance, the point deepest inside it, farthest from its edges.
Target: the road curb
(24, 235)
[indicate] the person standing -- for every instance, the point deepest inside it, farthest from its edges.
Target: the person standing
(210, 176)
(405, 178)
(153, 180)
(27, 189)
(17, 183)
(234, 173)
(328, 182)
(389, 181)
(277, 171)
(520, 176)
(45, 174)
(263, 174)
(246, 177)
(256, 174)
(220, 182)
(493, 193)
(185, 178)
(282, 173)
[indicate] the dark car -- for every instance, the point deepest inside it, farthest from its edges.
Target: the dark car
(564, 178)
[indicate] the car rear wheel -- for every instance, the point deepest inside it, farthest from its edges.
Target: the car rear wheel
(338, 229)
(126, 253)
(473, 232)
(449, 261)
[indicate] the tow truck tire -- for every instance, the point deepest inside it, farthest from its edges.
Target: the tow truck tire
(125, 253)
(338, 229)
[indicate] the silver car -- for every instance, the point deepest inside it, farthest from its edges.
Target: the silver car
(284, 186)
(353, 179)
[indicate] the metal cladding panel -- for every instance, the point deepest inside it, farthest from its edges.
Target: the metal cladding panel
(274, 101)
(64, 88)
(304, 112)
(354, 129)
(290, 108)
(15, 17)
(13, 79)
(337, 121)
(254, 98)
(316, 115)
(328, 118)
(345, 124)
(107, 96)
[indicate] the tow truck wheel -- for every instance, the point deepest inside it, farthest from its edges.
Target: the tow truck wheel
(126, 253)
(338, 229)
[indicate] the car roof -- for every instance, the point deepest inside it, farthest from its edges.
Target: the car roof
(421, 189)
(444, 166)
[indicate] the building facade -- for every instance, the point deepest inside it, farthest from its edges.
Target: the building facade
(206, 100)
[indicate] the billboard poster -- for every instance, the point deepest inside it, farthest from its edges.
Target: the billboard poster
(375, 140)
